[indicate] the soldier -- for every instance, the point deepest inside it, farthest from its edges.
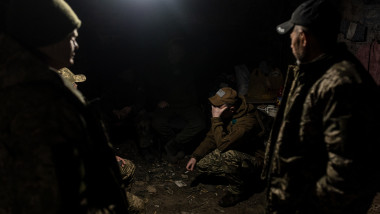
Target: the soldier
(232, 148)
(54, 153)
(322, 155)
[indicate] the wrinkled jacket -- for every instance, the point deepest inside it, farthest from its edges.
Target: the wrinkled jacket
(323, 148)
(54, 157)
(235, 134)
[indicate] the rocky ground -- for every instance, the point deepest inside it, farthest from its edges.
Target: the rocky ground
(166, 188)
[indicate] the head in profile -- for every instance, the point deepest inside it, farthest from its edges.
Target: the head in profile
(313, 28)
(46, 27)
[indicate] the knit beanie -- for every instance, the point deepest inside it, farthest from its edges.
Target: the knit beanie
(38, 23)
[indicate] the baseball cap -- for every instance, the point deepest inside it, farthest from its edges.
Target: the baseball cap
(224, 95)
(315, 14)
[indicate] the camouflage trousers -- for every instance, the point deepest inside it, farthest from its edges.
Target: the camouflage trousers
(127, 171)
(240, 169)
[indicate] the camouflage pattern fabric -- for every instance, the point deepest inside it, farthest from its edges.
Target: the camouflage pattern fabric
(54, 153)
(127, 171)
(239, 168)
(136, 205)
(322, 153)
(239, 133)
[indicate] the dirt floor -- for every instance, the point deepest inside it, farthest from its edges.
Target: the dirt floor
(166, 188)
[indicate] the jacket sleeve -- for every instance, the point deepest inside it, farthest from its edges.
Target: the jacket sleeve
(206, 146)
(346, 127)
(43, 157)
(225, 138)
(228, 138)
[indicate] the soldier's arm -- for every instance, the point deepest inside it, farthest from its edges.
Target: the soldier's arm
(225, 140)
(346, 131)
(46, 169)
(205, 147)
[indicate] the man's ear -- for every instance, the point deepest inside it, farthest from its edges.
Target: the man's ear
(304, 38)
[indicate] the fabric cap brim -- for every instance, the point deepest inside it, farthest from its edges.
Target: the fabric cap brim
(284, 27)
(216, 101)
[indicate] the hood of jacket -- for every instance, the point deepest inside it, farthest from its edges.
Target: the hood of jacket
(243, 109)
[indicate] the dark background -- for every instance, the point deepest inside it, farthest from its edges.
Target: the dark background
(117, 35)
(120, 34)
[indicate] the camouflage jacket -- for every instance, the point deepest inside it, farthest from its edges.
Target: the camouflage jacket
(323, 143)
(54, 157)
(235, 134)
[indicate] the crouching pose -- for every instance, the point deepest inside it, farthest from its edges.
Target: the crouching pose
(232, 148)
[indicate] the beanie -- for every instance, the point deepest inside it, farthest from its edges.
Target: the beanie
(39, 23)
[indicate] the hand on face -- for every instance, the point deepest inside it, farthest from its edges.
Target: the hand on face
(217, 111)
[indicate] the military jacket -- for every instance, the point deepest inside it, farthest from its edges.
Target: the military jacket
(54, 155)
(322, 148)
(235, 134)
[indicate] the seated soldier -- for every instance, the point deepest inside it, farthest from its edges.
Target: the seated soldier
(232, 148)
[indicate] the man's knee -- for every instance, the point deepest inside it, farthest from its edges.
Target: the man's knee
(127, 170)
(212, 163)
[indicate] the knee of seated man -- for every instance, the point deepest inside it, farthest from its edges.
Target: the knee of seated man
(203, 164)
(127, 170)
(208, 164)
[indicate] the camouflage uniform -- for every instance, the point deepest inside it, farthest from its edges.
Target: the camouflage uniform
(230, 149)
(127, 170)
(54, 154)
(321, 155)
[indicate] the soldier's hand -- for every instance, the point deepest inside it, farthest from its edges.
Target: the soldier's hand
(190, 165)
(217, 111)
(120, 160)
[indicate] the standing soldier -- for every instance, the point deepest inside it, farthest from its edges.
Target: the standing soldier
(54, 154)
(322, 156)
